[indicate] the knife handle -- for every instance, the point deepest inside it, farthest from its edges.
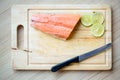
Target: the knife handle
(65, 63)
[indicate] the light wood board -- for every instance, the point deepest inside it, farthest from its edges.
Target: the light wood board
(34, 50)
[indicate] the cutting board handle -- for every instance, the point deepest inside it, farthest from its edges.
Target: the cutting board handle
(18, 37)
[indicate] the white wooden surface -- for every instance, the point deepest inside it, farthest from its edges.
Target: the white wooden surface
(6, 72)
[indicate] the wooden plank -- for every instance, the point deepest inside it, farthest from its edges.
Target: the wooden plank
(38, 46)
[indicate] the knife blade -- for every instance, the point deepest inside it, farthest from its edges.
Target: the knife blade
(80, 57)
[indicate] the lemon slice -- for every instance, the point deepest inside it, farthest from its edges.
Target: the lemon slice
(97, 30)
(87, 19)
(98, 18)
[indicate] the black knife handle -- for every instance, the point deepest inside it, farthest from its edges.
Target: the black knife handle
(65, 63)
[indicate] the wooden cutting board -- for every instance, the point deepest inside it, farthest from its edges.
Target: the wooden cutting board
(34, 50)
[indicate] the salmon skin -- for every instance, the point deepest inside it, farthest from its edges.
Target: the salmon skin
(58, 25)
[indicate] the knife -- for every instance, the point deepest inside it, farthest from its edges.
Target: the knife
(80, 57)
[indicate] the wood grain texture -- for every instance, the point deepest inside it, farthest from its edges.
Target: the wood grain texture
(6, 72)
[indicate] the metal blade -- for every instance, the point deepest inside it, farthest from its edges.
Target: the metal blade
(94, 52)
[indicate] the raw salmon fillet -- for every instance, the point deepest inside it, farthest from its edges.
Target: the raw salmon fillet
(59, 25)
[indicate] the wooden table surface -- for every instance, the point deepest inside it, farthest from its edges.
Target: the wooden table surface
(6, 71)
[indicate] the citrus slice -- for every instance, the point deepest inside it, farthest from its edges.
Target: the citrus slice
(98, 18)
(97, 30)
(87, 19)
